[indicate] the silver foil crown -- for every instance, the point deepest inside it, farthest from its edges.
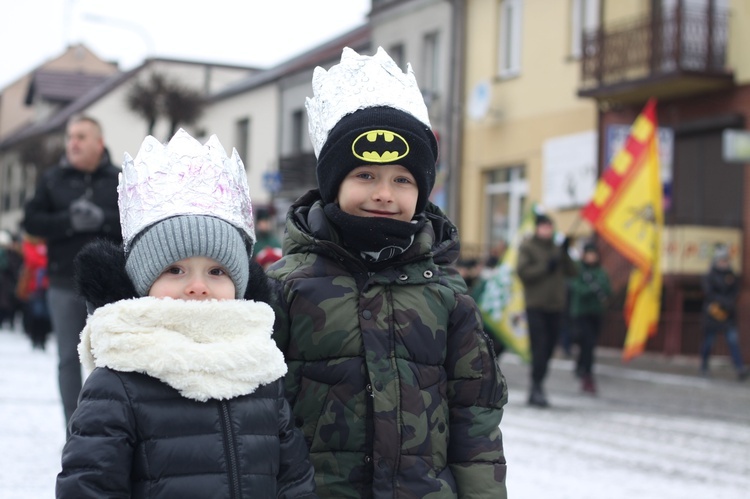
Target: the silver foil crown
(183, 178)
(359, 82)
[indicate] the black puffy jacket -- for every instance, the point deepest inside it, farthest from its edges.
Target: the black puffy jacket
(185, 399)
(134, 436)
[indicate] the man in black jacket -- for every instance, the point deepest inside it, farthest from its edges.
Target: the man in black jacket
(543, 267)
(721, 287)
(75, 202)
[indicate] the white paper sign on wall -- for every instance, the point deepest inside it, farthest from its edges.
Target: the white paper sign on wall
(569, 171)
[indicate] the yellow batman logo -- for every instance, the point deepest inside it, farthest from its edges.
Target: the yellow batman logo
(380, 146)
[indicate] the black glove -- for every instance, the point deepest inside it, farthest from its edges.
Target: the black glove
(85, 216)
(552, 265)
(566, 243)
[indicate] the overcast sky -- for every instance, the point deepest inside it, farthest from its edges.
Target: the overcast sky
(246, 32)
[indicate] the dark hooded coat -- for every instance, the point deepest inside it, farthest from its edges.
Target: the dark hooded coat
(391, 376)
(181, 403)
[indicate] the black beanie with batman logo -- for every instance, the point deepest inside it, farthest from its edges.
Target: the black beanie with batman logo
(378, 136)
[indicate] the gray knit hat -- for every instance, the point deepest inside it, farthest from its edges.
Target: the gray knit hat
(184, 236)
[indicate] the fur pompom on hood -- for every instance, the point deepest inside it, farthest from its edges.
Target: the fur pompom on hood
(204, 349)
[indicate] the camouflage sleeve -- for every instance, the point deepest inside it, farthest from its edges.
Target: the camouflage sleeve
(281, 323)
(477, 393)
(282, 335)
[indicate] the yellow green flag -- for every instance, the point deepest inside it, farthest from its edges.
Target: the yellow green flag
(502, 303)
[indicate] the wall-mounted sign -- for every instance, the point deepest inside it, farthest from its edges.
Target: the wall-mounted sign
(689, 249)
(735, 146)
(569, 170)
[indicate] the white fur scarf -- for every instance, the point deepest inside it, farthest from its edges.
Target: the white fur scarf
(203, 349)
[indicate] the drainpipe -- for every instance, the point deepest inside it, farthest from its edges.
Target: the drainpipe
(456, 109)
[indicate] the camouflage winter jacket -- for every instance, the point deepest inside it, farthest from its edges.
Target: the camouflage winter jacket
(391, 376)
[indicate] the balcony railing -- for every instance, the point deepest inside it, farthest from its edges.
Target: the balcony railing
(686, 42)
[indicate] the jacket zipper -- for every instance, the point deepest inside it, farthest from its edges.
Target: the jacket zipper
(230, 450)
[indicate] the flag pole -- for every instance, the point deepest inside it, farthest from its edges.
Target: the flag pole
(576, 223)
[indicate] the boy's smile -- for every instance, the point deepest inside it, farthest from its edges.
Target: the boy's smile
(379, 191)
(194, 278)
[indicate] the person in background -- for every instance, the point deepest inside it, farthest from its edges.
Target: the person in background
(590, 291)
(543, 268)
(265, 231)
(33, 284)
(268, 256)
(10, 269)
(470, 269)
(391, 375)
(476, 273)
(497, 253)
(720, 288)
(186, 394)
(75, 202)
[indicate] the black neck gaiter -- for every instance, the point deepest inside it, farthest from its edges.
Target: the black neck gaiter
(375, 238)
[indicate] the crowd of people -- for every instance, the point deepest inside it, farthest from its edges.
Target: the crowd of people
(23, 287)
(566, 300)
(353, 362)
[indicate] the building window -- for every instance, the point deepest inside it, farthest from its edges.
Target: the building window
(397, 54)
(506, 194)
(242, 140)
(584, 18)
(298, 132)
(430, 66)
(509, 42)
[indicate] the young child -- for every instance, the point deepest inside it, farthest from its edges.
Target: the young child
(186, 396)
(392, 378)
(590, 291)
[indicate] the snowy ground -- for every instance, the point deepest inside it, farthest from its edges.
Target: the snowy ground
(32, 431)
(641, 438)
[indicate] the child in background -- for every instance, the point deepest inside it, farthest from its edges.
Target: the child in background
(186, 396)
(590, 291)
(31, 291)
(392, 378)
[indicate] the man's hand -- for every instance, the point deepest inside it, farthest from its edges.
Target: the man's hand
(552, 265)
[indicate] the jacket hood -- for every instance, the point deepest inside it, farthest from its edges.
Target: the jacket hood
(203, 349)
(308, 230)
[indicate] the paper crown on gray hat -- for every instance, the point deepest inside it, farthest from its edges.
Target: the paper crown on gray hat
(365, 110)
(183, 200)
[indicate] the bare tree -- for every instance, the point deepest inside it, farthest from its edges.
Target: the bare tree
(182, 105)
(160, 97)
(145, 99)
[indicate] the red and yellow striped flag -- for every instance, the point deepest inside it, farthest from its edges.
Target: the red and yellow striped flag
(627, 211)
